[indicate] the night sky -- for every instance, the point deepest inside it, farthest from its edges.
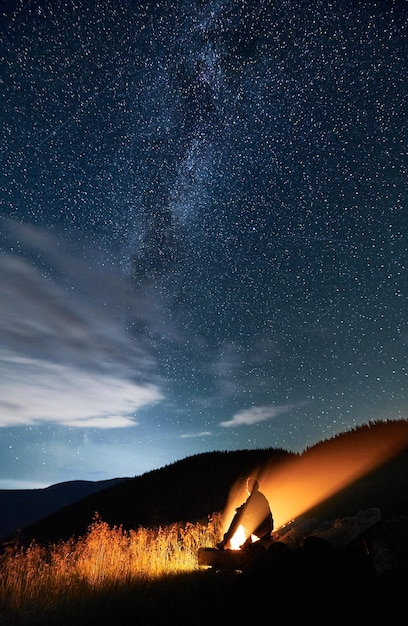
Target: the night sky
(203, 229)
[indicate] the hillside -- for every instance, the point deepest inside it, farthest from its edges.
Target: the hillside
(190, 490)
(195, 487)
(21, 507)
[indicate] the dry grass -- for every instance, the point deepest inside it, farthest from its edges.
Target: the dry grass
(38, 580)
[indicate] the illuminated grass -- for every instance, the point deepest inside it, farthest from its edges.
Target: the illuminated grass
(52, 581)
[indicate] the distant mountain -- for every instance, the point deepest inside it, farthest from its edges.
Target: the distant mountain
(192, 489)
(22, 507)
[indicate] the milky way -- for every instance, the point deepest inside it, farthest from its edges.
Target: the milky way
(203, 229)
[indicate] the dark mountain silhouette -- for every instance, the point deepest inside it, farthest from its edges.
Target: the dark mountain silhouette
(188, 490)
(21, 507)
(192, 489)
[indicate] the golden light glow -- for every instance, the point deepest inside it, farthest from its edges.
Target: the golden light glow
(238, 539)
(308, 479)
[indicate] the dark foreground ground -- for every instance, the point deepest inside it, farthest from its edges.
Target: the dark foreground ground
(311, 585)
(226, 598)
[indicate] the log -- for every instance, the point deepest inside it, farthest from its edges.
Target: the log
(347, 529)
(250, 556)
(221, 559)
(387, 545)
(335, 535)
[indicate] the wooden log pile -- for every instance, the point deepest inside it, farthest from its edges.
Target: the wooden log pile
(363, 529)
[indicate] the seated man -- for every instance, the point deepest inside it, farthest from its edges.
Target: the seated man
(254, 515)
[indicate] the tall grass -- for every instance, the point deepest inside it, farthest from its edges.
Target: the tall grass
(38, 580)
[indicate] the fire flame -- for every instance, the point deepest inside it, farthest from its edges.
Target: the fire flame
(239, 537)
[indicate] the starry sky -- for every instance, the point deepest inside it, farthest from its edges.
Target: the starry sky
(203, 229)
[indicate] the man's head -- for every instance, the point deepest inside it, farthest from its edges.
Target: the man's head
(252, 485)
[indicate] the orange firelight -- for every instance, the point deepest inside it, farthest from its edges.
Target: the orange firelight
(304, 481)
(238, 538)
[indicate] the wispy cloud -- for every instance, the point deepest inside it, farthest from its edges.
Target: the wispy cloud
(226, 369)
(203, 433)
(257, 414)
(32, 391)
(65, 354)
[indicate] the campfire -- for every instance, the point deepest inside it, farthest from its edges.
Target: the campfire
(299, 485)
(238, 538)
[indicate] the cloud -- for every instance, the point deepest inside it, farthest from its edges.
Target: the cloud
(65, 355)
(257, 414)
(32, 391)
(11, 483)
(226, 369)
(203, 433)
